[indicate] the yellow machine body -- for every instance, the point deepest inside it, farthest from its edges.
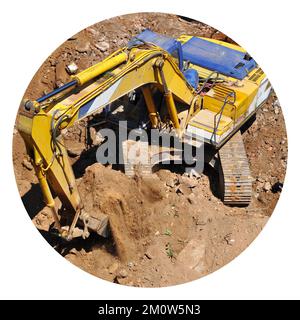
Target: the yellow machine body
(152, 69)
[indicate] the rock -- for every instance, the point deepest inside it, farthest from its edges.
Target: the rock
(27, 164)
(102, 46)
(193, 256)
(52, 62)
(92, 31)
(183, 189)
(61, 75)
(113, 268)
(276, 103)
(261, 178)
(122, 281)
(170, 182)
(72, 68)
(45, 80)
(83, 46)
(260, 198)
(95, 137)
(267, 186)
(256, 195)
(219, 36)
(24, 186)
(276, 110)
(122, 273)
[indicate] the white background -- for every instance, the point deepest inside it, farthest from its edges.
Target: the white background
(30, 31)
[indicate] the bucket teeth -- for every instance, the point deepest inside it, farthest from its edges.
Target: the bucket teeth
(235, 175)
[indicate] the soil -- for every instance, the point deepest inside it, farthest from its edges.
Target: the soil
(169, 228)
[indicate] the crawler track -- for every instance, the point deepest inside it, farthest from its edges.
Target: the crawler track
(235, 175)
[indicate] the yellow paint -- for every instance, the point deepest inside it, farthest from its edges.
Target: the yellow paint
(172, 109)
(206, 119)
(151, 106)
(100, 68)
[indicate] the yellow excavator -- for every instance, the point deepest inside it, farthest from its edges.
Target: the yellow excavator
(197, 89)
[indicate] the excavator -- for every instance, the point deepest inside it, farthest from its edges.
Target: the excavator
(195, 88)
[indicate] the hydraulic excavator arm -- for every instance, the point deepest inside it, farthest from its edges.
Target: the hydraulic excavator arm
(40, 122)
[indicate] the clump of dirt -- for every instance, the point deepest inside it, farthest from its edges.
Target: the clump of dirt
(169, 228)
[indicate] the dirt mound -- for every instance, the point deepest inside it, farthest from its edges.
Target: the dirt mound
(136, 207)
(123, 199)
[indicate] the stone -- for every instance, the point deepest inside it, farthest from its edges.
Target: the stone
(102, 46)
(170, 182)
(260, 179)
(183, 189)
(92, 31)
(276, 103)
(95, 137)
(27, 164)
(193, 256)
(72, 68)
(219, 36)
(267, 186)
(83, 46)
(61, 75)
(122, 273)
(276, 110)
(122, 281)
(113, 268)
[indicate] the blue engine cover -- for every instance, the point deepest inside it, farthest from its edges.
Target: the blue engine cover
(192, 77)
(218, 58)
